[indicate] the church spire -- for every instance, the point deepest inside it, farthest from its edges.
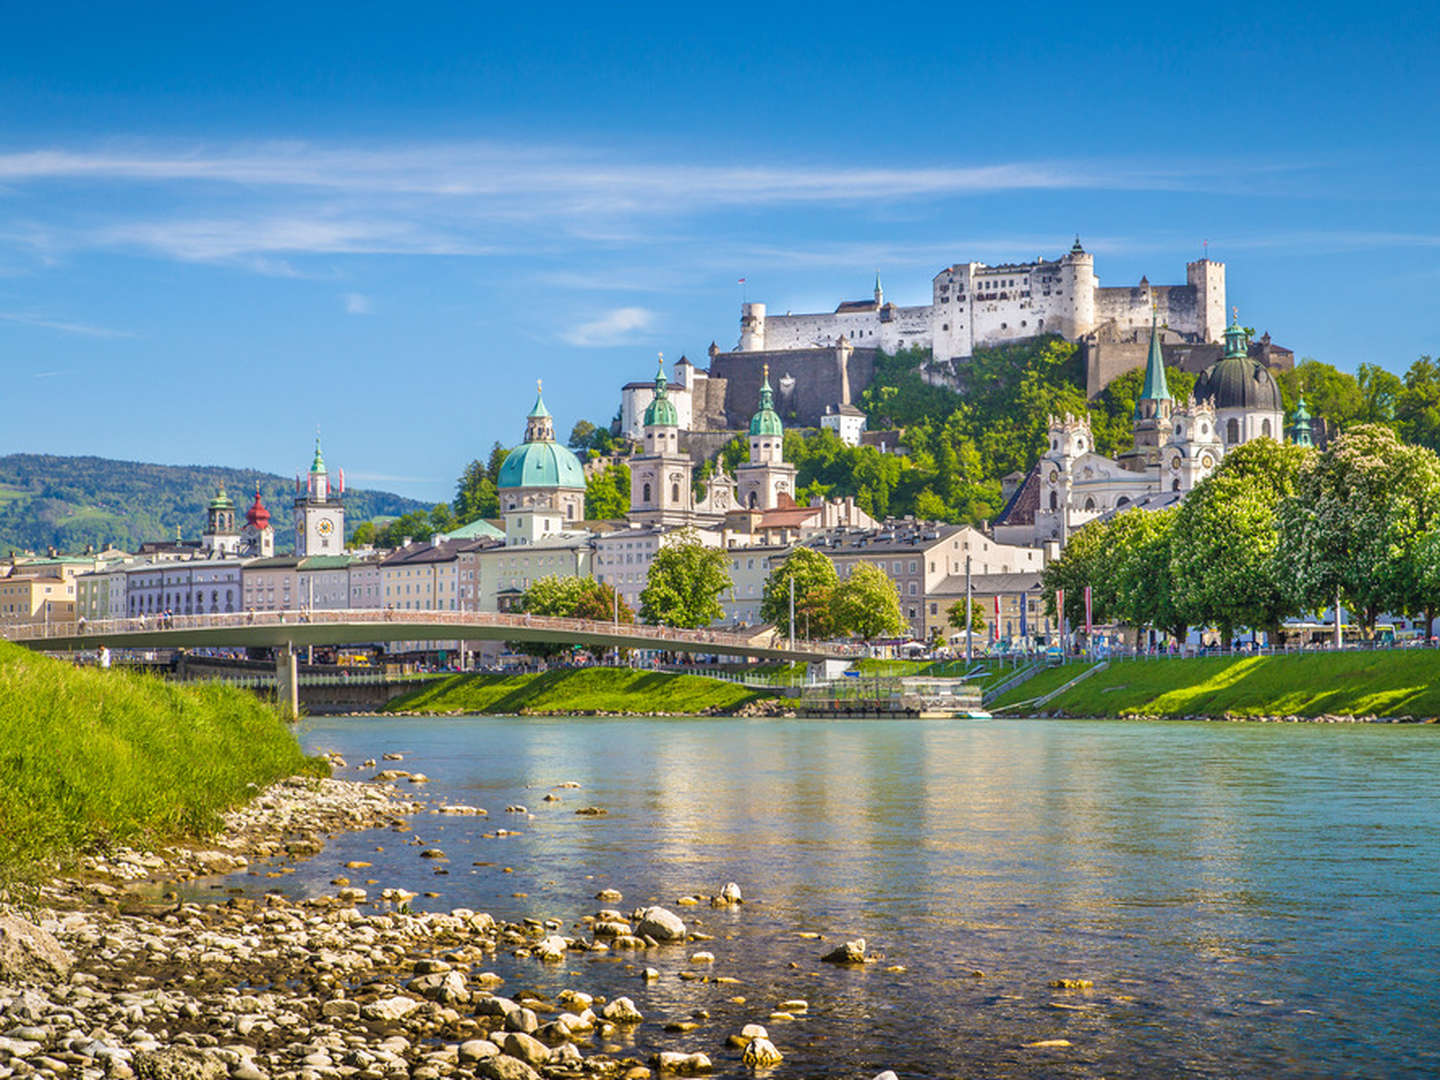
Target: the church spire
(1237, 343)
(1300, 431)
(879, 291)
(539, 425)
(1156, 388)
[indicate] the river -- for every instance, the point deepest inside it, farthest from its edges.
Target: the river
(1248, 900)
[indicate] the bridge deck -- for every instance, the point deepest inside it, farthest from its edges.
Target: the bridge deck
(349, 627)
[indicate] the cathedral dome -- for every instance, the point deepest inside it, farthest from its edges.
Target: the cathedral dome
(221, 501)
(540, 461)
(1238, 382)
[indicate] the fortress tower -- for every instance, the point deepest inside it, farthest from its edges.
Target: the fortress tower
(1207, 278)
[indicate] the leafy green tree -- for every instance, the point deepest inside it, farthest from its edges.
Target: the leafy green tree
(1381, 392)
(363, 535)
(475, 494)
(1329, 393)
(1357, 522)
(582, 435)
(1224, 553)
(1086, 560)
(607, 493)
(867, 604)
(684, 583)
(493, 464)
(815, 581)
(1143, 576)
(955, 616)
(442, 518)
(571, 598)
(1417, 407)
(415, 525)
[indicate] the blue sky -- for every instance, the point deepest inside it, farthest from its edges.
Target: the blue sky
(220, 229)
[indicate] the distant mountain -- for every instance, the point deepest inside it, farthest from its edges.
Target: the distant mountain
(70, 502)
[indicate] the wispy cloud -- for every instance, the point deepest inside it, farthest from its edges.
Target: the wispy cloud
(619, 327)
(357, 304)
(65, 327)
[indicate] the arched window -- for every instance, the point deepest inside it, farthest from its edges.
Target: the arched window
(1175, 485)
(1124, 500)
(570, 511)
(645, 493)
(675, 493)
(1265, 428)
(754, 500)
(1054, 501)
(1232, 432)
(1089, 504)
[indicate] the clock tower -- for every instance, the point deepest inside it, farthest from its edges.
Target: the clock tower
(319, 511)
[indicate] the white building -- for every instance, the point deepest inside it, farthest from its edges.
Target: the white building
(974, 306)
(846, 421)
(195, 587)
(623, 558)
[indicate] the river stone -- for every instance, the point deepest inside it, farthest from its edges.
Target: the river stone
(731, 893)
(177, 1063)
(660, 924)
(477, 1050)
(525, 1047)
(760, 1053)
(852, 952)
(609, 896)
(676, 1062)
(622, 1011)
(552, 949)
(505, 1067)
(340, 1009)
(246, 1069)
(391, 1008)
(29, 952)
(522, 1019)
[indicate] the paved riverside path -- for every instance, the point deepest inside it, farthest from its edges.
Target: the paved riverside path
(348, 627)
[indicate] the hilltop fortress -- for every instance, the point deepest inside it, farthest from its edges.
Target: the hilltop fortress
(977, 306)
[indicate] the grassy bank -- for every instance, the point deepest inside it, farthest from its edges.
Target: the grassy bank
(580, 691)
(89, 757)
(1382, 683)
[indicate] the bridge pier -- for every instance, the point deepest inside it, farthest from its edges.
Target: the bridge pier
(287, 681)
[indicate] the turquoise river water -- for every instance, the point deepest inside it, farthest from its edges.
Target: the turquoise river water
(1248, 900)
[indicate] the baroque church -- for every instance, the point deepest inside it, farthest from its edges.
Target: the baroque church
(1177, 445)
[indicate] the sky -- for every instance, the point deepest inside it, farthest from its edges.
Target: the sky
(223, 226)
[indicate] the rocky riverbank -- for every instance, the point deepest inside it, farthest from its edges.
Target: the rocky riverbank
(109, 977)
(1242, 718)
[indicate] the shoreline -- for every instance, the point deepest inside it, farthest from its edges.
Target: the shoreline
(345, 984)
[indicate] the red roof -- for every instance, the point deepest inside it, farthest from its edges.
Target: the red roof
(257, 515)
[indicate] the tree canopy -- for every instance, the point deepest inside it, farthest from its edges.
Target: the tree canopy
(815, 580)
(684, 583)
(867, 604)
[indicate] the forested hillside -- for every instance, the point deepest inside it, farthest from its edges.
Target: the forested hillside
(69, 502)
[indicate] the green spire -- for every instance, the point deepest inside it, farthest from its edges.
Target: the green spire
(1237, 343)
(1156, 388)
(661, 412)
(539, 411)
(766, 421)
(1300, 432)
(318, 465)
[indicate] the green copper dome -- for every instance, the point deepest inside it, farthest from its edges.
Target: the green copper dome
(767, 420)
(540, 461)
(221, 501)
(318, 464)
(661, 412)
(541, 464)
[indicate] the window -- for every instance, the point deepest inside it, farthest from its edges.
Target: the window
(645, 493)
(1089, 504)
(1054, 501)
(1265, 428)
(1232, 431)
(675, 493)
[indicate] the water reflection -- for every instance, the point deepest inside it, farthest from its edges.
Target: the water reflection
(1248, 900)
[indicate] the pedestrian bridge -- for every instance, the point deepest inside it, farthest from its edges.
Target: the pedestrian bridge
(281, 629)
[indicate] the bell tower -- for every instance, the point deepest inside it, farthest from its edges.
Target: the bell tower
(319, 510)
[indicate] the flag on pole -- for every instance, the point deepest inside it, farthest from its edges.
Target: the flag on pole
(740, 281)
(1088, 613)
(1060, 615)
(1024, 627)
(342, 481)
(995, 624)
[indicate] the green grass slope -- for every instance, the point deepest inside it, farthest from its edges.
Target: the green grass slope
(89, 757)
(1382, 683)
(578, 691)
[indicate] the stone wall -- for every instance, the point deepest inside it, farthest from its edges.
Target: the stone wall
(805, 382)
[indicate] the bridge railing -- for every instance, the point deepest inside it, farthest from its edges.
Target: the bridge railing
(665, 637)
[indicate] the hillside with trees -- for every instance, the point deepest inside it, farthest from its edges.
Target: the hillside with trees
(72, 502)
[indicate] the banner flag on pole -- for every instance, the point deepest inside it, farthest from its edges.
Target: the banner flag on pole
(995, 623)
(1024, 626)
(1088, 613)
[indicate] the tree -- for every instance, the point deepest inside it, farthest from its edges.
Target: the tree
(363, 535)
(684, 583)
(582, 434)
(955, 616)
(1224, 551)
(867, 604)
(1357, 521)
(1143, 578)
(475, 494)
(571, 598)
(442, 518)
(815, 580)
(415, 525)
(1086, 560)
(607, 493)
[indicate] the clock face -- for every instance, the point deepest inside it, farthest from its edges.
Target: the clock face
(325, 527)
(1207, 461)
